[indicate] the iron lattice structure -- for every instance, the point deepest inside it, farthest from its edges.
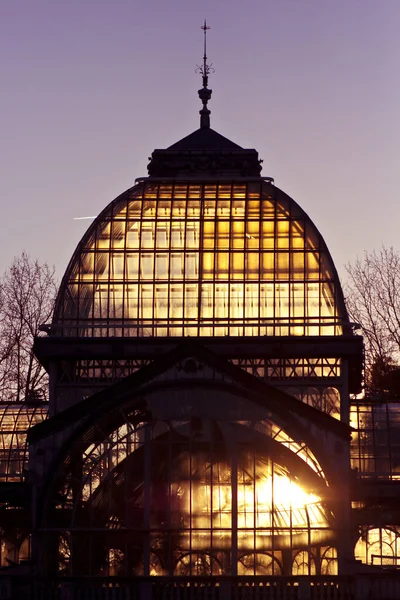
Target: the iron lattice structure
(201, 259)
(201, 362)
(200, 345)
(15, 421)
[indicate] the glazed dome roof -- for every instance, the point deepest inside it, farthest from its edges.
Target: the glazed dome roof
(201, 255)
(204, 246)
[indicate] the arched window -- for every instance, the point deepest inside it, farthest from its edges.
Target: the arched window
(303, 563)
(174, 497)
(379, 546)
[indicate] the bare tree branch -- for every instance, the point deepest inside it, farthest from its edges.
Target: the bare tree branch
(27, 293)
(373, 300)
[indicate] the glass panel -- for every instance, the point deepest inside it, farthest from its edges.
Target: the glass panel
(132, 238)
(282, 234)
(208, 234)
(222, 266)
(237, 265)
(222, 240)
(267, 265)
(237, 235)
(252, 234)
(162, 234)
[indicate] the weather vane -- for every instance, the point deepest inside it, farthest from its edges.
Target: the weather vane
(205, 69)
(204, 92)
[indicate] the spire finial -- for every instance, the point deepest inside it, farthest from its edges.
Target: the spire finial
(205, 66)
(204, 92)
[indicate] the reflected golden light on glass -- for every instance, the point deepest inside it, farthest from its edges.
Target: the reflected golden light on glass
(379, 547)
(260, 499)
(203, 501)
(15, 421)
(206, 234)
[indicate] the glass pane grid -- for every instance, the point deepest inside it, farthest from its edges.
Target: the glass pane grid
(15, 421)
(375, 444)
(193, 507)
(178, 260)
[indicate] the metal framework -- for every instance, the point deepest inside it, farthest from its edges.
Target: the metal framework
(379, 546)
(201, 259)
(375, 448)
(206, 494)
(375, 459)
(212, 483)
(200, 362)
(15, 421)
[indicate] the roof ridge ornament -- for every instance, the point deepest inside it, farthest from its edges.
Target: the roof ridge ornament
(205, 92)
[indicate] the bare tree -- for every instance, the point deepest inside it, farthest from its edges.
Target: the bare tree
(27, 293)
(373, 301)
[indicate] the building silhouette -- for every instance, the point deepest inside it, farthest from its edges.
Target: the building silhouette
(203, 379)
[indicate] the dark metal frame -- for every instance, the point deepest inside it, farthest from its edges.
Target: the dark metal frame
(275, 245)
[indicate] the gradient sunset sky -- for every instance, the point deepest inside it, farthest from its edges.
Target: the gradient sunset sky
(90, 87)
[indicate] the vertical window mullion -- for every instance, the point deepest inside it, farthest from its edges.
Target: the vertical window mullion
(108, 303)
(201, 256)
(140, 299)
(215, 265)
(124, 274)
(154, 326)
(185, 260)
(274, 279)
(169, 251)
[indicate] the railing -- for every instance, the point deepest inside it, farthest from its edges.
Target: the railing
(380, 586)
(177, 327)
(184, 588)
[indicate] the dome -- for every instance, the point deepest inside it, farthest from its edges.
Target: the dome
(205, 246)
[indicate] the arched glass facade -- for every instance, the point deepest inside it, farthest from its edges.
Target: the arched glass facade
(379, 546)
(197, 457)
(192, 496)
(201, 259)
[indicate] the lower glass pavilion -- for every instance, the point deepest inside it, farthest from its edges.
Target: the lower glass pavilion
(201, 365)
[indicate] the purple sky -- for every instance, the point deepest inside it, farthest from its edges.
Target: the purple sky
(90, 87)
